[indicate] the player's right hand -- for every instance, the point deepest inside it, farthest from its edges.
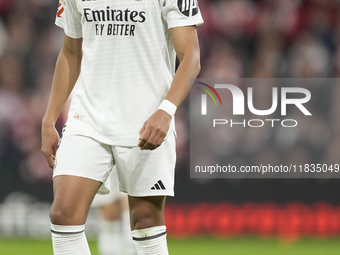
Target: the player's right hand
(154, 130)
(50, 139)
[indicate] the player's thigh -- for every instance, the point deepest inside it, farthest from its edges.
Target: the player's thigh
(72, 198)
(82, 168)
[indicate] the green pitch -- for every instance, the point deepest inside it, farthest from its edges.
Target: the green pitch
(198, 246)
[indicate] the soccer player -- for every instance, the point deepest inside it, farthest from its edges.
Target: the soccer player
(121, 54)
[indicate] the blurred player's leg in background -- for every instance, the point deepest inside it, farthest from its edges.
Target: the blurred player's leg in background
(114, 237)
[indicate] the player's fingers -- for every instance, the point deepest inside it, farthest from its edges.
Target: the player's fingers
(49, 158)
(142, 131)
(50, 162)
(54, 148)
(141, 135)
(141, 142)
(155, 139)
(158, 140)
(150, 144)
(144, 137)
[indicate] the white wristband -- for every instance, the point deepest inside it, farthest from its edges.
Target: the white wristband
(168, 107)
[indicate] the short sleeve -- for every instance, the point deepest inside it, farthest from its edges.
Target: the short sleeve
(178, 13)
(69, 18)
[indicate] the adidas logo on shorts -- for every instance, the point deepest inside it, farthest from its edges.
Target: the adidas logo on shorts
(159, 185)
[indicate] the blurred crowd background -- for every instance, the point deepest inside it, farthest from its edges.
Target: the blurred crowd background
(240, 38)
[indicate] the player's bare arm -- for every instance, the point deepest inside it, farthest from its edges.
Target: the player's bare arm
(65, 76)
(186, 45)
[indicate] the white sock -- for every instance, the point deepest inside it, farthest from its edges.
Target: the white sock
(150, 241)
(69, 240)
(109, 237)
(129, 247)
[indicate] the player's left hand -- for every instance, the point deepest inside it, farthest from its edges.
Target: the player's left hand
(154, 130)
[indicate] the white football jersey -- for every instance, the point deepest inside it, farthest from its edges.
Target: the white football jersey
(128, 62)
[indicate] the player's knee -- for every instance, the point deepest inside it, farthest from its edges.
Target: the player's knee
(147, 213)
(141, 219)
(57, 216)
(63, 216)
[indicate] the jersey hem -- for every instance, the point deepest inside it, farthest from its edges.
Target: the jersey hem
(133, 142)
(149, 194)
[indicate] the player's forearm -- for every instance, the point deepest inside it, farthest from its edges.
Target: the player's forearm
(156, 127)
(189, 68)
(65, 76)
(186, 45)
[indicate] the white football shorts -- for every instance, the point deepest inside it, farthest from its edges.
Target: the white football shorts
(140, 172)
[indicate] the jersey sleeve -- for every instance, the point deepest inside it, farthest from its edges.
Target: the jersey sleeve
(69, 18)
(178, 13)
